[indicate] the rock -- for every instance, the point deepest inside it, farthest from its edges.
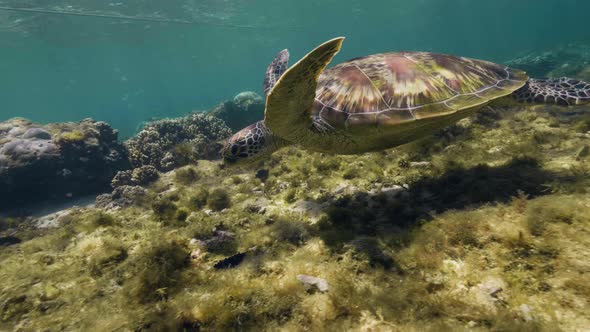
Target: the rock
(313, 282)
(495, 149)
(310, 208)
(40, 162)
(220, 241)
(169, 143)
(582, 135)
(344, 188)
(392, 192)
(52, 220)
(196, 254)
(230, 262)
(492, 285)
(495, 291)
(262, 174)
(258, 206)
(527, 312)
(37, 133)
(487, 293)
(420, 164)
(245, 109)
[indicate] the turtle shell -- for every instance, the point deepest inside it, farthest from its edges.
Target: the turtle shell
(390, 89)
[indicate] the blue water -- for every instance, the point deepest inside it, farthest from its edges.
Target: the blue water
(66, 68)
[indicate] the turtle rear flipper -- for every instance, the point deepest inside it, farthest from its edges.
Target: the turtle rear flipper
(289, 102)
(274, 71)
(558, 91)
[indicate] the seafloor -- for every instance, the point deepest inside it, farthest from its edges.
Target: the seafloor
(483, 226)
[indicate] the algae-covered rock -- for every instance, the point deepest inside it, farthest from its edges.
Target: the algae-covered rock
(314, 282)
(56, 161)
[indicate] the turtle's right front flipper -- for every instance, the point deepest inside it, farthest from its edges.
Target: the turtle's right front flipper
(555, 91)
(274, 71)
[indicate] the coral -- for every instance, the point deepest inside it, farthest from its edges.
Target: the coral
(165, 144)
(144, 175)
(122, 196)
(140, 176)
(245, 109)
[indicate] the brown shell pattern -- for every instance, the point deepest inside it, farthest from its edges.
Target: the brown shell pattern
(392, 88)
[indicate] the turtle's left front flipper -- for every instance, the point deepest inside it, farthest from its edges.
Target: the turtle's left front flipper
(289, 102)
(554, 91)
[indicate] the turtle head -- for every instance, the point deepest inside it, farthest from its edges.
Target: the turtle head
(251, 144)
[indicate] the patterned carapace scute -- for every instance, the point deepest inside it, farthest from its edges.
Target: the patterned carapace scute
(392, 88)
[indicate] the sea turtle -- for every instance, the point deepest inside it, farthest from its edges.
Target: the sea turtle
(381, 101)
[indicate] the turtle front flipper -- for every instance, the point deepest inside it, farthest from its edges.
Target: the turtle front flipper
(289, 103)
(274, 71)
(557, 91)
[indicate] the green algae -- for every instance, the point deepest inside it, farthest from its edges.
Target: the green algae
(403, 246)
(186, 175)
(218, 199)
(70, 137)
